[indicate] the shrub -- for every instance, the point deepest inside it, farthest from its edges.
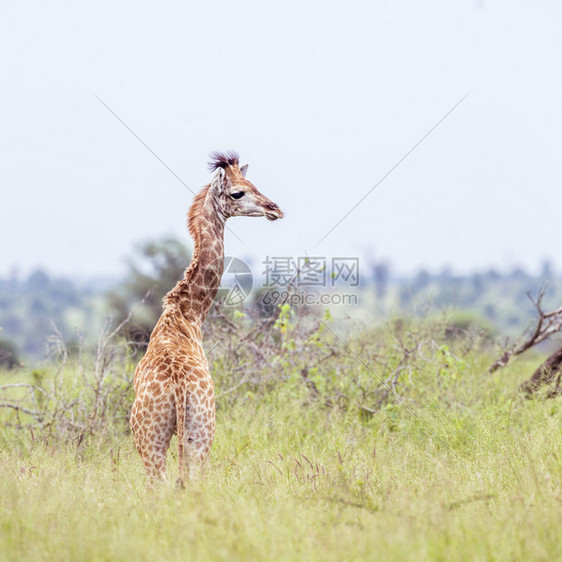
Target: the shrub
(8, 354)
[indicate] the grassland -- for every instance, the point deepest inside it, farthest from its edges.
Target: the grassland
(459, 468)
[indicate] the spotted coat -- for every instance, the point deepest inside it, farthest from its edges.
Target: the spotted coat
(174, 391)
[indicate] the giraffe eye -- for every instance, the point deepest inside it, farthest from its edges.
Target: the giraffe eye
(237, 195)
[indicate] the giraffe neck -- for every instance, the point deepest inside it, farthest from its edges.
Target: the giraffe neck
(194, 294)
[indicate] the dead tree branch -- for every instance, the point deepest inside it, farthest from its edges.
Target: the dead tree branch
(545, 325)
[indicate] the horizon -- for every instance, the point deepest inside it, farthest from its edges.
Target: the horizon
(395, 274)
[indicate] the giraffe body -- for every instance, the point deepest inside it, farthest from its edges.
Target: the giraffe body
(174, 391)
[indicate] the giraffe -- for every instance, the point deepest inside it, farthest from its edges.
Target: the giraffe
(174, 391)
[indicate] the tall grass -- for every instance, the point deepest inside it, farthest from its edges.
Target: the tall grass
(450, 464)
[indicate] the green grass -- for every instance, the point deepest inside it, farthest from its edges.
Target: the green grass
(473, 474)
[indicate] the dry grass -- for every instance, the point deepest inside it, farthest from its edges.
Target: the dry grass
(459, 468)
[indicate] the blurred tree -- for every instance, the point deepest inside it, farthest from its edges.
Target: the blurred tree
(8, 354)
(381, 275)
(421, 280)
(478, 287)
(518, 273)
(405, 295)
(155, 267)
(464, 322)
(37, 282)
(493, 276)
(32, 307)
(547, 271)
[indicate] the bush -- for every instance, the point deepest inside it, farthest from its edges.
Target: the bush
(296, 356)
(8, 354)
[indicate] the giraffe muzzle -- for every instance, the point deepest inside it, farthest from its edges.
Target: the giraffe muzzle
(273, 212)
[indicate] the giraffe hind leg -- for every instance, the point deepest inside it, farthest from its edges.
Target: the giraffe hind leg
(196, 439)
(152, 437)
(153, 454)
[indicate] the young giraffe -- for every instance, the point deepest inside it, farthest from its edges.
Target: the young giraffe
(174, 391)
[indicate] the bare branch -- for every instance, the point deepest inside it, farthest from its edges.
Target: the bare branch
(36, 415)
(23, 385)
(546, 324)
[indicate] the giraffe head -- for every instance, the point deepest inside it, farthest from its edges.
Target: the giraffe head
(236, 196)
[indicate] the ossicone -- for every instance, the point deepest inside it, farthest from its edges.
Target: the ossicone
(223, 159)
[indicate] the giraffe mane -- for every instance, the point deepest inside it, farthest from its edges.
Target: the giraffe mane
(223, 160)
(195, 212)
(194, 228)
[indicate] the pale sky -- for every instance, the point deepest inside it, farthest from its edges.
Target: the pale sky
(321, 99)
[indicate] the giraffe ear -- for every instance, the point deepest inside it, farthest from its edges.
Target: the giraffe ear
(244, 170)
(218, 180)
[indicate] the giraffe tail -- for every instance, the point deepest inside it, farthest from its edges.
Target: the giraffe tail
(180, 398)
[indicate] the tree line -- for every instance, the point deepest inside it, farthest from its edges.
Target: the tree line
(34, 307)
